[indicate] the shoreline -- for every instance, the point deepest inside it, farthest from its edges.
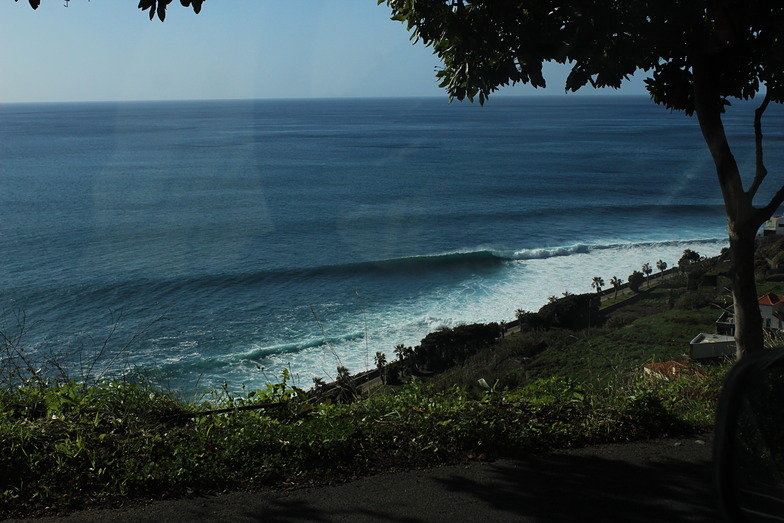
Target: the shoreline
(366, 380)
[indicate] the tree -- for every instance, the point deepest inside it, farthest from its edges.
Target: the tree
(447, 347)
(688, 259)
(597, 284)
(635, 280)
(573, 312)
(156, 7)
(160, 8)
(697, 56)
(381, 365)
(346, 389)
(520, 314)
(646, 270)
(662, 266)
(616, 282)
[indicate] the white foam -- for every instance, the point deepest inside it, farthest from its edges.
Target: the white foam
(523, 284)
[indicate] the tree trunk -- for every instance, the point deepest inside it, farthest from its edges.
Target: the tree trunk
(743, 220)
(748, 321)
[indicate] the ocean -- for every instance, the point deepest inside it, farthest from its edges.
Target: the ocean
(214, 242)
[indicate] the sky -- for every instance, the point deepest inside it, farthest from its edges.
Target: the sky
(109, 50)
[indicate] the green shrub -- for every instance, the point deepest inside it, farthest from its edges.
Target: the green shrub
(574, 312)
(447, 347)
(636, 279)
(620, 319)
(693, 300)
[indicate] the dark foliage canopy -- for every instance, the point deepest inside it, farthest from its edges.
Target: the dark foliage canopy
(156, 7)
(689, 257)
(487, 44)
(159, 7)
(636, 280)
(574, 312)
(445, 347)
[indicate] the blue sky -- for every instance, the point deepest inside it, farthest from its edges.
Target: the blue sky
(109, 50)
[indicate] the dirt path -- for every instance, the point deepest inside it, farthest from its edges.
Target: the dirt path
(651, 481)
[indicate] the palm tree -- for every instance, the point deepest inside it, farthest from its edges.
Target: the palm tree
(646, 270)
(520, 314)
(616, 282)
(381, 364)
(597, 284)
(662, 266)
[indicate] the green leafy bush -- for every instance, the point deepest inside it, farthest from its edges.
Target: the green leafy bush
(575, 311)
(620, 319)
(636, 279)
(693, 300)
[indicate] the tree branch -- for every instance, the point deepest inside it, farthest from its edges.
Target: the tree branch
(761, 172)
(707, 106)
(767, 211)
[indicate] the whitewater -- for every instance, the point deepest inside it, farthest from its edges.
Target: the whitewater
(224, 241)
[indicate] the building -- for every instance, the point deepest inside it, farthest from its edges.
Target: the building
(773, 226)
(772, 310)
(707, 346)
(726, 324)
(722, 343)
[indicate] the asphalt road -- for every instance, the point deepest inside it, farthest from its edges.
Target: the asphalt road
(664, 480)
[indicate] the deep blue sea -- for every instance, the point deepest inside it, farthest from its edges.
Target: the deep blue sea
(212, 242)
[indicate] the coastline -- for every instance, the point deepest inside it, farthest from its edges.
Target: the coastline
(365, 381)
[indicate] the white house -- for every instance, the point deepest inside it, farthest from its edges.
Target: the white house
(706, 346)
(773, 226)
(772, 310)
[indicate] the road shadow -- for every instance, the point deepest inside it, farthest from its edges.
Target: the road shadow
(567, 487)
(641, 482)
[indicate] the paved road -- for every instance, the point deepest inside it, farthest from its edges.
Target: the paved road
(654, 481)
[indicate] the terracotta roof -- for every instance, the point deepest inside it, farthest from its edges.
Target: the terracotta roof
(769, 299)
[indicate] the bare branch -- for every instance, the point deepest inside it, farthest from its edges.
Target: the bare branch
(759, 176)
(767, 211)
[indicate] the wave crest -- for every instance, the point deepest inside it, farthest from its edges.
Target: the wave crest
(545, 253)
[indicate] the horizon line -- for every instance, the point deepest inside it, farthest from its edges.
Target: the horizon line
(330, 98)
